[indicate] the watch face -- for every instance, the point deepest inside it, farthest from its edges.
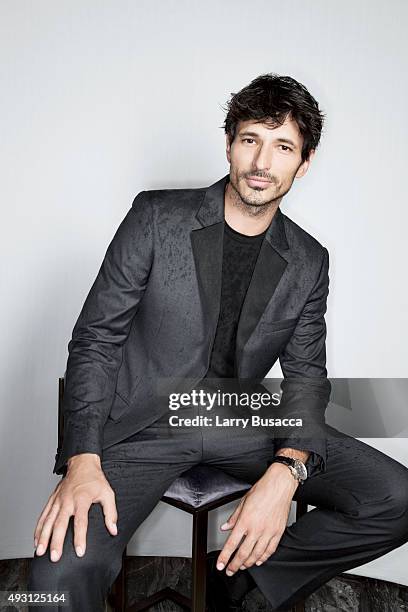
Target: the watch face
(301, 470)
(298, 468)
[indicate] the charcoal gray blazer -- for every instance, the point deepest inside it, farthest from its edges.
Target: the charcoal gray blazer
(152, 311)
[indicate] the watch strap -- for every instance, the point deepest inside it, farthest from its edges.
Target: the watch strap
(290, 462)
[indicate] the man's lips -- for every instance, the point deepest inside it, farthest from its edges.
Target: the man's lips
(257, 181)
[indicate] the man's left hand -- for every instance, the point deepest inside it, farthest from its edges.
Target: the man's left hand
(260, 518)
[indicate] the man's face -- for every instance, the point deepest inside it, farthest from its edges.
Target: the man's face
(272, 154)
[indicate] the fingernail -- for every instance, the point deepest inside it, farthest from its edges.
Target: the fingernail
(220, 566)
(54, 555)
(114, 528)
(40, 549)
(242, 567)
(79, 551)
(224, 526)
(258, 563)
(35, 543)
(229, 573)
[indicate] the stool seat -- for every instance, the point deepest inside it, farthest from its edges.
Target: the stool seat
(202, 485)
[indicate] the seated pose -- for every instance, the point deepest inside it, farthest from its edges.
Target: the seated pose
(197, 285)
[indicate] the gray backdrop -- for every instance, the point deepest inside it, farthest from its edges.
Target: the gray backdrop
(101, 99)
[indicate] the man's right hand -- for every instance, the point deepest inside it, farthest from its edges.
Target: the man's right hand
(83, 485)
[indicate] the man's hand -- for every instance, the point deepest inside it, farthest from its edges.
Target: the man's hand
(260, 518)
(83, 485)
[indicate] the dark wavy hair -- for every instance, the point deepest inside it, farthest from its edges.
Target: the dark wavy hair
(271, 98)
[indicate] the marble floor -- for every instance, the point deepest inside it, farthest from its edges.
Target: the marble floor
(146, 575)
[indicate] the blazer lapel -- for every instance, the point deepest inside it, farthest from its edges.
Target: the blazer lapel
(271, 263)
(207, 245)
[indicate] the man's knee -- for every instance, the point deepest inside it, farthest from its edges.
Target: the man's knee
(398, 507)
(71, 571)
(392, 507)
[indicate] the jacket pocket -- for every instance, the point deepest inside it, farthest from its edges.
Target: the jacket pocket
(119, 407)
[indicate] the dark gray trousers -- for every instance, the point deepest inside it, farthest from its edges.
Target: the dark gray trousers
(361, 510)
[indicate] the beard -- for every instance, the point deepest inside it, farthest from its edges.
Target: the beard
(251, 199)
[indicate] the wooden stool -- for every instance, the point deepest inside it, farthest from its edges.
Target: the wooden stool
(197, 491)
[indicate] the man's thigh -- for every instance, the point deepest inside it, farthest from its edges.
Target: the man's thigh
(357, 478)
(139, 472)
(242, 454)
(138, 487)
(357, 475)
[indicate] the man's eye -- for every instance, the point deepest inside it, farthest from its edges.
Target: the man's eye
(246, 139)
(286, 148)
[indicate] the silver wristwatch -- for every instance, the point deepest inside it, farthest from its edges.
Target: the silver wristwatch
(296, 466)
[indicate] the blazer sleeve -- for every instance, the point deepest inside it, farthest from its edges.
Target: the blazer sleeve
(305, 387)
(95, 349)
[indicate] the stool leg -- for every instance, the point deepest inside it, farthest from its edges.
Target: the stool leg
(301, 509)
(120, 587)
(199, 560)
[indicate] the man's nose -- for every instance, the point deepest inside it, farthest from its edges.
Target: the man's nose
(262, 161)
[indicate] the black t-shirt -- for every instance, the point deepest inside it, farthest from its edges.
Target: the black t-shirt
(239, 257)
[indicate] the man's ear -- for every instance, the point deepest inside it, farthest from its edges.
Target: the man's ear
(228, 148)
(304, 166)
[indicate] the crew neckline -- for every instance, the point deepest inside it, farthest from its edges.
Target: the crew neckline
(244, 237)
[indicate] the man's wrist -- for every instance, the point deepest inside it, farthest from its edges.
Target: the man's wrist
(273, 470)
(91, 458)
(295, 453)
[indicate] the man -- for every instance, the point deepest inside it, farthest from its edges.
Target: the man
(202, 284)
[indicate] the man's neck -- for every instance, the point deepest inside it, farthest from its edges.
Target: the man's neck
(244, 218)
